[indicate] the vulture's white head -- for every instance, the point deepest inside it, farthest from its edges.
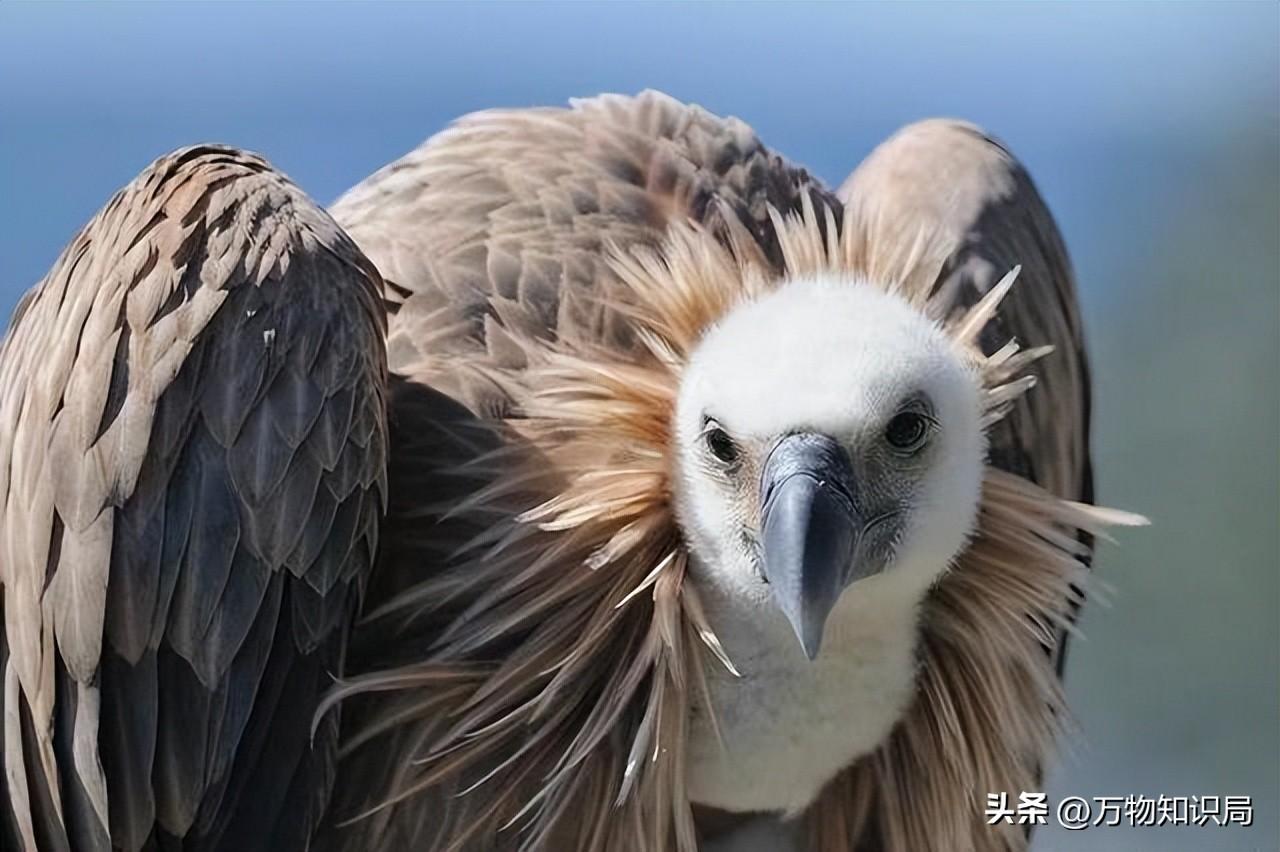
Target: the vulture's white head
(828, 433)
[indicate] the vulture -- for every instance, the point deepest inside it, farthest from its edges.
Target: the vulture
(590, 478)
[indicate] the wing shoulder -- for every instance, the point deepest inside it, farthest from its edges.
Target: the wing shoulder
(954, 185)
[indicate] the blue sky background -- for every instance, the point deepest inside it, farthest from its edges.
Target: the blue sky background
(1152, 130)
(1096, 98)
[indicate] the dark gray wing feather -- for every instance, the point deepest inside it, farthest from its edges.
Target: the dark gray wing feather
(192, 467)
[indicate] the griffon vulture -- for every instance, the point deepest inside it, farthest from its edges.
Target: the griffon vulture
(582, 480)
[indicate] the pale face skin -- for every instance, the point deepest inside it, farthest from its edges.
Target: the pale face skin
(830, 466)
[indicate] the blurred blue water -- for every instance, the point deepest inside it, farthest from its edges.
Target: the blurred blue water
(1132, 118)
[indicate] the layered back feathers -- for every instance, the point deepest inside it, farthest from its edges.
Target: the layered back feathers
(561, 649)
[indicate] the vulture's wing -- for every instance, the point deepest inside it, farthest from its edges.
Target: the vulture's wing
(192, 456)
(950, 185)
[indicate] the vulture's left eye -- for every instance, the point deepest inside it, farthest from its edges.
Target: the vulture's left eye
(720, 444)
(907, 431)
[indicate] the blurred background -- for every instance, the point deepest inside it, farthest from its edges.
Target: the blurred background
(1152, 130)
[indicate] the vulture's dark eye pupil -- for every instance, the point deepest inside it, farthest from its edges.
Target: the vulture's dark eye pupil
(721, 445)
(907, 431)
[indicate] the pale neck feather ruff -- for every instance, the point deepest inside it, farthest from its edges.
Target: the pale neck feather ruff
(572, 733)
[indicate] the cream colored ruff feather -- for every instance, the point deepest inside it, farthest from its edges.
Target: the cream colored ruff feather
(576, 732)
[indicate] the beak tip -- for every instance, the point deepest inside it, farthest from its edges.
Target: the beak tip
(810, 636)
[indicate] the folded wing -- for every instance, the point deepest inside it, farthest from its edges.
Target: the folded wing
(948, 184)
(192, 462)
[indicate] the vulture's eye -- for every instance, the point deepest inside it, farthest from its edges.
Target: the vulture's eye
(720, 444)
(907, 431)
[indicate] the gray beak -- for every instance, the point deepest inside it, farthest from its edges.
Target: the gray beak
(810, 528)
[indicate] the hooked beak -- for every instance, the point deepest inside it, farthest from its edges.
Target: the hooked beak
(810, 529)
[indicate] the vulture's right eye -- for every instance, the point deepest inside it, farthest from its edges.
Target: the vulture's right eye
(720, 444)
(907, 431)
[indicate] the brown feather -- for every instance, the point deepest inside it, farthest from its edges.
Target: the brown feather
(590, 645)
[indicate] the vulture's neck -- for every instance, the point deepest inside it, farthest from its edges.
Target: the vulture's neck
(788, 725)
